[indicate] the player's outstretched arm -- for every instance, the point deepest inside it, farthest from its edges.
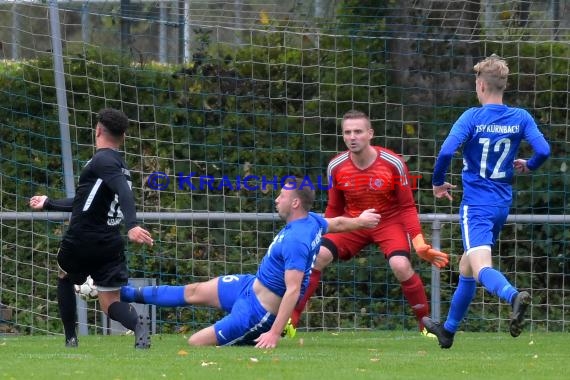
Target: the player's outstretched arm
(427, 253)
(42, 202)
(293, 280)
(37, 202)
(368, 219)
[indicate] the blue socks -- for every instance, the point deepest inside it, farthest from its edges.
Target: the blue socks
(497, 284)
(164, 295)
(491, 279)
(460, 302)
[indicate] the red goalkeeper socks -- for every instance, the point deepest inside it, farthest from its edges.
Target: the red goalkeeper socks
(413, 289)
(314, 280)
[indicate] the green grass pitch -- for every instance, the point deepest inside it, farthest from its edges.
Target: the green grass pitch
(310, 355)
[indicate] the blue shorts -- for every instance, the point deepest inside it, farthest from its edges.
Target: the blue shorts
(247, 319)
(481, 225)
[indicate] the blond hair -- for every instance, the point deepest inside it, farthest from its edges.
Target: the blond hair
(494, 71)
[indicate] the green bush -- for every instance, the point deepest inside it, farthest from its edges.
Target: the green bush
(270, 108)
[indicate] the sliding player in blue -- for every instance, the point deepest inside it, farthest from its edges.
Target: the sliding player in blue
(260, 305)
(490, 136)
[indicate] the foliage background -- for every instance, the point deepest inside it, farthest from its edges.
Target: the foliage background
(273, 106)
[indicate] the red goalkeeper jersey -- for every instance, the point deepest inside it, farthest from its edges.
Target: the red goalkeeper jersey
(385, 186)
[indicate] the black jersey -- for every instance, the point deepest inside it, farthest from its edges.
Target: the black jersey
(103, 197)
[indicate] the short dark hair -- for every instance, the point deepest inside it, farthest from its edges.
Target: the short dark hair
(115, 121)
(355, 114)
(305, 192)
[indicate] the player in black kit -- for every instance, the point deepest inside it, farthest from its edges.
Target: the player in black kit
(93, 244)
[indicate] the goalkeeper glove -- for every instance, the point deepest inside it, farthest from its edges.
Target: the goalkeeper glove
(427, 253)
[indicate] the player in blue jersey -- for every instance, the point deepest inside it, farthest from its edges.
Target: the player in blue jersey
(260, 305)
(490, 136)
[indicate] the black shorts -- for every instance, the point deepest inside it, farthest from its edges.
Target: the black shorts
(100, 256)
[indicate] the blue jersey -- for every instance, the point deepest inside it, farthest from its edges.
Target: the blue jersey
(294, 247)
(491, 136)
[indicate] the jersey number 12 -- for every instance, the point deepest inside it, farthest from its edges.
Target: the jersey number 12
(503, 146)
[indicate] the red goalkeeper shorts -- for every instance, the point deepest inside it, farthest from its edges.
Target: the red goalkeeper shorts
(389, 237)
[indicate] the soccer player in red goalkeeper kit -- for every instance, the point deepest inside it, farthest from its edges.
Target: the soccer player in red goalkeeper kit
(366, 177)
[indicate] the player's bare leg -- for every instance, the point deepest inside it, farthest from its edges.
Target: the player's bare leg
(204, 337)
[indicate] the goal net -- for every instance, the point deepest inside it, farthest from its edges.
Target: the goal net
(227, 98)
